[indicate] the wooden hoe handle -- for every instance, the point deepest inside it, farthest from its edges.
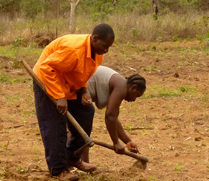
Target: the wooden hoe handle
(142, 159)
(86, 138)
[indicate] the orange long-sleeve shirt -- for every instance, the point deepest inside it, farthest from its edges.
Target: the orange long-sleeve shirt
(65, 65)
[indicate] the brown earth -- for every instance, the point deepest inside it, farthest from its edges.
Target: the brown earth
(170, 123)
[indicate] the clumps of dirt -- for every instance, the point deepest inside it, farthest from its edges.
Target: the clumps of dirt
(10, 170)
(6, 62)
(176, 75)
(4, 58)
(140, 165)
(40, 39)
(101, 175)
(136, 171)
(43, 39)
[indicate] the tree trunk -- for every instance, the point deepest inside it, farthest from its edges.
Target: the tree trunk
(57, 16)
(73, 5)
(155, 6)
(44, 9)
(114, 2)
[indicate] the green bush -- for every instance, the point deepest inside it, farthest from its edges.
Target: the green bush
(31, 8)
(18, 42)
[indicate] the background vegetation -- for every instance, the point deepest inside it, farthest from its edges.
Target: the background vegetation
(23, 21)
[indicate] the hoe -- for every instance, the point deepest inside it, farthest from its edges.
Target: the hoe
(88, 141)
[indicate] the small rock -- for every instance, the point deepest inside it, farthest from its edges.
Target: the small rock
(198, 138)
(157, 60)
(176, 75)
(177, 154)
(197, 79)
(140, 165)
(154, 48)
(171, 147)
(20, 73)
(203, 144)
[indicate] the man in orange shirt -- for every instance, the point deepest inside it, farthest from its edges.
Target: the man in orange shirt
(65, 67)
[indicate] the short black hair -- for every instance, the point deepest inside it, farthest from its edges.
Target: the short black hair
(138, 80)
(104, 31)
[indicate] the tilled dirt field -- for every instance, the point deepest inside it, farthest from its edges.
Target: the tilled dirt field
(170, 123)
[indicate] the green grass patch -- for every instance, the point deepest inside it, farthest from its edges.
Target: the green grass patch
(29, 112)
(206, 48)
(205, 98)
(149, 68)
(3, 172)
(160, 91)
(128, 127)
(168, 93)
(21, 170)
(179, 167)
(188, 89)
(9, 80)
(13, 98)
(15, 52)
(152, 178)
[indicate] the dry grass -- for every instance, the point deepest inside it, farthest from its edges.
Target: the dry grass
(166, 27)
(129, 27)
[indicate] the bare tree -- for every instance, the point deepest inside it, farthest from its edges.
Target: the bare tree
(73, 5)
(155, 6)
(114, 2)
(57, 6)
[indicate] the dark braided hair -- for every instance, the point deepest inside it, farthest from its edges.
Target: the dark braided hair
(104, 31)
(138, 80)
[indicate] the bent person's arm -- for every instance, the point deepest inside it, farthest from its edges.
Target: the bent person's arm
(125, 138)
(121, 133)
(111, 116)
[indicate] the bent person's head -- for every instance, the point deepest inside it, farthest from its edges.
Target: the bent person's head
(102, 38)
(136, 86)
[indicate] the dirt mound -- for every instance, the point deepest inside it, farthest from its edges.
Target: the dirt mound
(43, 39)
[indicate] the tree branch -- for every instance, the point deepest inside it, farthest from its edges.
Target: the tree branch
(77, 2)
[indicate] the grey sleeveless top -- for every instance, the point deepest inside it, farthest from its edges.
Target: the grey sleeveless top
(98, 86)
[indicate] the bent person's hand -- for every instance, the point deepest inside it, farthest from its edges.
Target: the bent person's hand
(132, 147)
(62, 106)
(120, 149)
(86, 99)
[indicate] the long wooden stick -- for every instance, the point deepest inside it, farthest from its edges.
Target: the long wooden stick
(143, 159)
(86, 138)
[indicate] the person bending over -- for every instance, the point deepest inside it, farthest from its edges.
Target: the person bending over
(65, 67)
(108, 89)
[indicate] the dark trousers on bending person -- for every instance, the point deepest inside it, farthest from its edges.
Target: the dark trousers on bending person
(52, 126)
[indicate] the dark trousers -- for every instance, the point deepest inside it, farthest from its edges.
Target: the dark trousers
(52, 126)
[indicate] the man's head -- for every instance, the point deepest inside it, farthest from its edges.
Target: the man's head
(136, 86)
(102, 38)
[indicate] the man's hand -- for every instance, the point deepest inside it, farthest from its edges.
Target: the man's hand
(62, 106)
(86, 98)
(132, 147)
(120, 149)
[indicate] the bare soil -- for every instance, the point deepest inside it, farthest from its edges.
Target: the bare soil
(170, 123)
